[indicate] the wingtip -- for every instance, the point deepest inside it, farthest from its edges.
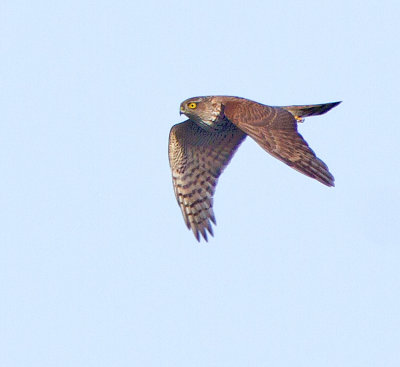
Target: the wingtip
(212, 217)
(209, 228)
(197, 235)
(203, 232)
(329, 183)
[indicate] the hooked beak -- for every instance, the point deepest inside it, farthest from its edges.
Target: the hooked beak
(182, 110)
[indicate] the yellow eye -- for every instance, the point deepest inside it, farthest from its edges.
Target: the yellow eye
(192, 105)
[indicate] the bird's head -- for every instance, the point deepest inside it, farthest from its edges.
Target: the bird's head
(202, 110)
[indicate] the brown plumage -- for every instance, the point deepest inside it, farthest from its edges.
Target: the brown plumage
(201, 147)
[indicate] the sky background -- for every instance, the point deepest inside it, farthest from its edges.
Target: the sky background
(97, 267)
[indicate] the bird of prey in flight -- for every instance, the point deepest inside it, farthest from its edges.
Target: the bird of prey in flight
(202, 146)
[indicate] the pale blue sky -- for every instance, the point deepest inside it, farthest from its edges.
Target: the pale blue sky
(97, 267)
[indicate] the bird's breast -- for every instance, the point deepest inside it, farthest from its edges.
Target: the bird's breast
(208, 125)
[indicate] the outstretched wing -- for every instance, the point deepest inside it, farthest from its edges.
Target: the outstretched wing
(275, 130)
(197, 158)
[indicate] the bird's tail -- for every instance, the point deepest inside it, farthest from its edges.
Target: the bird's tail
(299, 112)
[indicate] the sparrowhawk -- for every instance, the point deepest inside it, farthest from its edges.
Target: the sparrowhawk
(202, 146)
